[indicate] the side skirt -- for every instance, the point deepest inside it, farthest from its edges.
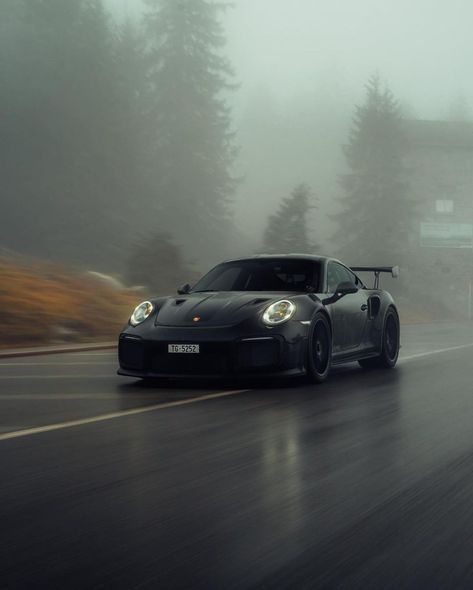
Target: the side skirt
(357, 355)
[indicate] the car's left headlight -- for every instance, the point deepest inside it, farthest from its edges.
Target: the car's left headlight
(279, 312)
(141, 313)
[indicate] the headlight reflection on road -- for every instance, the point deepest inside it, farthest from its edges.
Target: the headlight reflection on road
(282, 470)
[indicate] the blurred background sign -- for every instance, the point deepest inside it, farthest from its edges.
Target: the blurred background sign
(446, 235)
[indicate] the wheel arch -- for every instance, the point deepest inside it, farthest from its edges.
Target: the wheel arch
(387, 303)
(328, 316)
(323, 310)
(318, 309)
(309, 362)
(390, 306)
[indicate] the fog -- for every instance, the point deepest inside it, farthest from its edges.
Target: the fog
(111, 161)
(306, 63)
(313, 58)
(423, 49)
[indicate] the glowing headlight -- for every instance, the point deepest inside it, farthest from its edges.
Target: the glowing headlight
(143, 311)
(279, 312)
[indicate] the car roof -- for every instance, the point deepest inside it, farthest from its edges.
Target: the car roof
(294, 256)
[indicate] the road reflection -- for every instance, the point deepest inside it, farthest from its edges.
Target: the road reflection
(320, 445)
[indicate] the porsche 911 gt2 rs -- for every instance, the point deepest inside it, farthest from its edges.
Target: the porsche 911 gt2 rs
(265, 315)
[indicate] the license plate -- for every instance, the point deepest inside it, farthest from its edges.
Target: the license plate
(184, 348)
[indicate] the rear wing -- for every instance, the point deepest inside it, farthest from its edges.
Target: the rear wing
(377, 270)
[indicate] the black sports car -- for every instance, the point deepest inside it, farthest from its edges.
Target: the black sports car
(265, 315)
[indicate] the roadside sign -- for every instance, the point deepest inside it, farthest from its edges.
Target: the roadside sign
(446, 235)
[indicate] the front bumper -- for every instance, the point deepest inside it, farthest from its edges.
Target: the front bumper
(223, 352)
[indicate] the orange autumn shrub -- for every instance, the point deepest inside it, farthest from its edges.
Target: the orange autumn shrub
(42, 303)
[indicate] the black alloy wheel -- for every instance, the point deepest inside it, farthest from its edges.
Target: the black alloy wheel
(320, 349)
(390, 344)
(391, 339)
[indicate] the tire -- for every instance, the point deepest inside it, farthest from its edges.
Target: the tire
(319, 349)
(390, 344)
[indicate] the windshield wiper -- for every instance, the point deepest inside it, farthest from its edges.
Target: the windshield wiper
(205, 291)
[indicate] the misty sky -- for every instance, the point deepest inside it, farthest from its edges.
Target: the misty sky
(422, 48)
(306, 62)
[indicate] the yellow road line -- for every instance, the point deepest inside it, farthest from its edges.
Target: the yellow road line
(114, 415)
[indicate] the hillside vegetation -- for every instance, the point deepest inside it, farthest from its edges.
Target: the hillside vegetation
(42, 303)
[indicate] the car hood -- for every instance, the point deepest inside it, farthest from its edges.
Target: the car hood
(214, 309)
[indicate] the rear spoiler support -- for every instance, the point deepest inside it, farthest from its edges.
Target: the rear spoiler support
(377, 270)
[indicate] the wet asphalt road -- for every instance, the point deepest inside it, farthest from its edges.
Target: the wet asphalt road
(363, 482)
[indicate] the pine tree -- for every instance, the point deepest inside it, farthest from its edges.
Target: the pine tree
(65, 176)
(287, 230)
(131, 68)
(132, 119)
(157, 252)
(375, 221)
(13, 36)
(194, 142)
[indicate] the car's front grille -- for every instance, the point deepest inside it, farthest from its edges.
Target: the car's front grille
(254, 355)
(131, 353)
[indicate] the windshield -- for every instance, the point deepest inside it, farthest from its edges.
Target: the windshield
(262, 275)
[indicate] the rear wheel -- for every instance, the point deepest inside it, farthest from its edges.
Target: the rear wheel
(390, 344)
(319, 349)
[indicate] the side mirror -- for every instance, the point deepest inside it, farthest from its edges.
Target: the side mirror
(184, 289)
(344, 288)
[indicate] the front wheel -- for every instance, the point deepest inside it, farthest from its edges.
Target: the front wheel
(319, 349)
(390, 344)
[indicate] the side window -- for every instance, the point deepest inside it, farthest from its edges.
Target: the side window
(336, 274)
(358, 282)
(332, 280)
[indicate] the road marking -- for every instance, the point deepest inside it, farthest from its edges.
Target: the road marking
(9, 428)
(80, 363)
(156, 407)
(91, 376)
(111, 353)
(93, 396)
(72, 396)
(432, 352)
(114, 415)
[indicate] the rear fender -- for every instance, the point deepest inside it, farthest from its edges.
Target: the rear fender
(386, 303)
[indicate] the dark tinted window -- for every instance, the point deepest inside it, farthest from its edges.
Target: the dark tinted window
(336, 274)
(262, 275)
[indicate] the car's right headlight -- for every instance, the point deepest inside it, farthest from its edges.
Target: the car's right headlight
(279, 312)
(141, 313)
